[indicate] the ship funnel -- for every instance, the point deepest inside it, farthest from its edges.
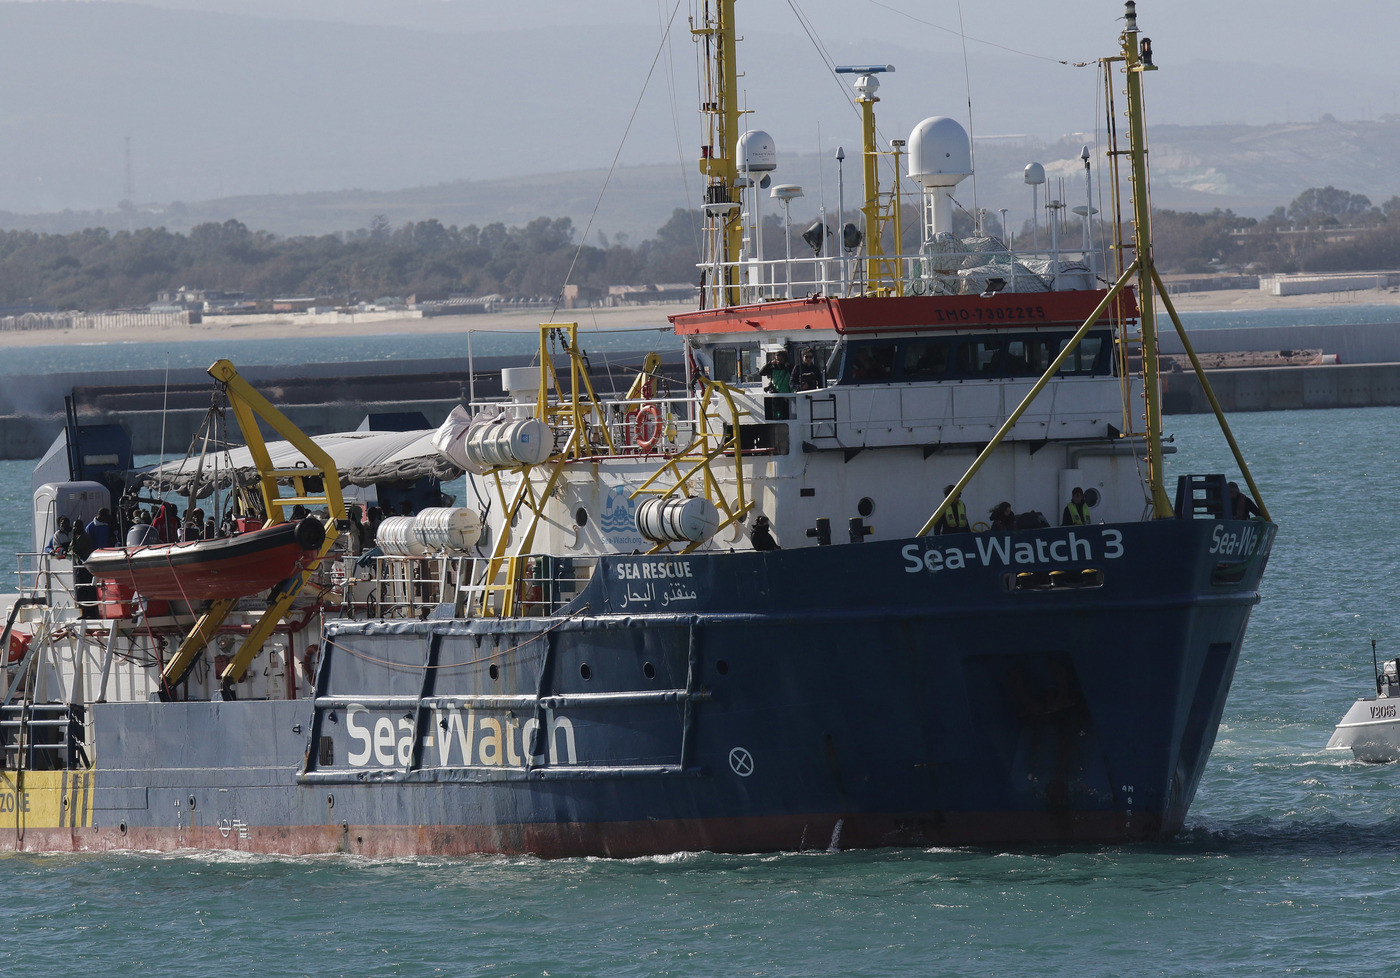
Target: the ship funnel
(940, 157)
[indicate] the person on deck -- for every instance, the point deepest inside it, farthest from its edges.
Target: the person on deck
(166, 523)
(954, 519)
(761, 535)
(62, 538)
(1003, 517)
(1076, 510)
(101, 529)
(1241, 506)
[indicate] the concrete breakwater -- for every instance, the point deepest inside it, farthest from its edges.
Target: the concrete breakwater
(163, 413)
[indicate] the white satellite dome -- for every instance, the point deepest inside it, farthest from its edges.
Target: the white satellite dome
(940, 154)
(757, 152)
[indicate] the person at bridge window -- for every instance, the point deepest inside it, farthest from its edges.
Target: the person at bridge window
(777, 377)
(807, 376)
(954, 519)
(1076, 510)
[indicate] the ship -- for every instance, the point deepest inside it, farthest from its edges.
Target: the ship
(891, 560)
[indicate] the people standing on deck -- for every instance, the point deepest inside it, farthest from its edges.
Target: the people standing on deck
(1241, 506)
(954, 518)
(373, 517)
(807, 376)
(1003, 517)
(166, 524)
(354, 530)
(101, 530)
(62, 538)
(1076, 510)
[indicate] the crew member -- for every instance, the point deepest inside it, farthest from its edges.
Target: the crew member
(954, 518)
(1077, 511)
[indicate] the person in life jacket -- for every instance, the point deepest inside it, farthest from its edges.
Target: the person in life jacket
(955, 519)
(1077, 511)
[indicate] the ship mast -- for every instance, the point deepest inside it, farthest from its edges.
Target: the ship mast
(1138, 58)
(718, 156)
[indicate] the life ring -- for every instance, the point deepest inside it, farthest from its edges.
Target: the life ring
(19, 645)
(646, 427)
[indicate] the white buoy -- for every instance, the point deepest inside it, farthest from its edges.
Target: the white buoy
(691, 520)
(449, 529)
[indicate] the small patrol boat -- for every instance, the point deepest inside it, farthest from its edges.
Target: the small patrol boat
(1371, 728)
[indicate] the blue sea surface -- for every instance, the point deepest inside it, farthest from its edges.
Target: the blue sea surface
(1289, 863)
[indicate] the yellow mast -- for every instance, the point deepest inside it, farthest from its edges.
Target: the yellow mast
(718, 157)
(1138, 58)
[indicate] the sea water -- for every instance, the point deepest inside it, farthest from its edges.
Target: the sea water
(1289, 863)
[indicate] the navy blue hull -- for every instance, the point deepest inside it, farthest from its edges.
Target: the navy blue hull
(1051, 686)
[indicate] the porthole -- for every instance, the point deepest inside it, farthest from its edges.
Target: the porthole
(722, 667)
(495, 671)
(585, 672)
(581, 516)
(1092, 497)
(866, 506)
(648, 670)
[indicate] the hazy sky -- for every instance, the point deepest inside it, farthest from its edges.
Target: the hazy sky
(228, 97)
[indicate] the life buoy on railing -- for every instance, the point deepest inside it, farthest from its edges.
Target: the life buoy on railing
(646, 427)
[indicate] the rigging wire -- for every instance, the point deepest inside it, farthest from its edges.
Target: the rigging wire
(948, 30)
(971, 141)
(583, 238)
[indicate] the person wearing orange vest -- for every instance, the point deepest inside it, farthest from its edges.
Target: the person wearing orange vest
(954, 520)
(1077, 511)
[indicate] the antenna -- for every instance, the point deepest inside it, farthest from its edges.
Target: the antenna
(129, 184)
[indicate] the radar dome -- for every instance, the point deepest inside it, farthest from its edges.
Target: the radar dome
(757, 152)
(940, 154)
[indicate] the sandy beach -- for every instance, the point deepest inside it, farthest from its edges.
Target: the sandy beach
(590, 320)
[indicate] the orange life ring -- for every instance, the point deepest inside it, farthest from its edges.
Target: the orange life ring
(19, 644)
(647, 427)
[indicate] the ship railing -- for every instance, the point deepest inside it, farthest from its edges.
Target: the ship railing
(50, 577)
(544, 585)
(931, 272)
(404, 587)
(42, 736)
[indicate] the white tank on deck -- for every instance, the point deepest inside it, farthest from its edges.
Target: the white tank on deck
(691, 520)
(449, 529)
(524, 442)
(397, 536)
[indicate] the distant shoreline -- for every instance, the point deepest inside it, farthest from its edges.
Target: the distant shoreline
(230, 328)
(593, 320)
